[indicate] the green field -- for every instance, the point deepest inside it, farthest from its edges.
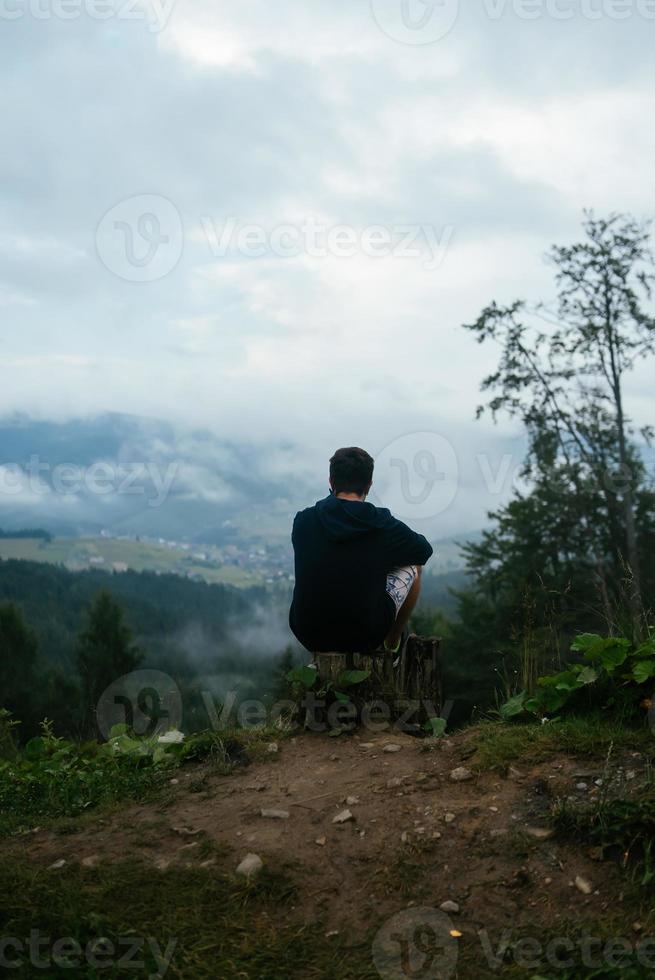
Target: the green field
(77, 554)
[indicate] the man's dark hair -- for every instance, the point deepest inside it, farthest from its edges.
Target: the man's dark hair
(351, 471)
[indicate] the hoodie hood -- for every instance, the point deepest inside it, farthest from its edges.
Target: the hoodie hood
(345, 519)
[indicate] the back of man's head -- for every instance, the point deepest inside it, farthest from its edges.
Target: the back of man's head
(351, 471)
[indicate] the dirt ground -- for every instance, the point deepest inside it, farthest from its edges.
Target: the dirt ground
(415, 838)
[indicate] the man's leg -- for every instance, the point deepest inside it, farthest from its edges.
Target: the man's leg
(404, 612)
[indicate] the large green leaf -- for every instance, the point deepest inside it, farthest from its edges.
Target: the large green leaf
(513, 707)
(609, 651)
(303, 675)
(351, 677)
(647, 649)
(586, 641)
(587, 675)
(549, 699)
(643, 671)
(435, 727)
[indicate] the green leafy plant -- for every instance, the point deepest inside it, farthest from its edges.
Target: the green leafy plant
(53, 777)
(610, 665)
(435, 727)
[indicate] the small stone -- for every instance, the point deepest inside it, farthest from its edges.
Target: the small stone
(637, 927)
(368, 745)
(344, 817)
(352, 800)
(548, 881)
(162, 864)
(449, 906)
(331, 933)
(514, 773)
(209, 863)
(583, 885)
(581, 786)
(449, 817)
(392, 747)
(500, 832)
(334, 758)
(56, 865)
(186, 831)
(272, 747)
(461, 775)
(251, 865)
(630, 774)
(394, 782)
(421, 777)
(539, 833)
(188, 847)
(321, 841)
(90, 861)
(174, 781)
(494, 809)
(275, 814)
(404, 837)
(436, 834)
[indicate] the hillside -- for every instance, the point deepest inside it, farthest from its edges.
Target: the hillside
(522, 892)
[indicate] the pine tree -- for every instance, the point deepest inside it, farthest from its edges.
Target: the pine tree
(105, 651)
(18, 656)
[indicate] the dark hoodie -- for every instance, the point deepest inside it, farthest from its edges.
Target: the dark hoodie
(344, 550)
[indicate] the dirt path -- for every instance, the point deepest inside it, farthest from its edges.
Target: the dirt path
(416, 838)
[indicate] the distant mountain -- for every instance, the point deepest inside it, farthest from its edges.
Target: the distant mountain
(133, 475)
(137, 476)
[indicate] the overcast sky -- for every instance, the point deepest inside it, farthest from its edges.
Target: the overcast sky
(401, 164)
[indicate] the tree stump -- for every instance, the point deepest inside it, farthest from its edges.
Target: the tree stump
(411, 690)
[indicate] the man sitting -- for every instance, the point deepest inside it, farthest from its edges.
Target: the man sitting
(358, 569)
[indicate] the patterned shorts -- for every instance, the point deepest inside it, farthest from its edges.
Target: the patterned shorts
(399, 582)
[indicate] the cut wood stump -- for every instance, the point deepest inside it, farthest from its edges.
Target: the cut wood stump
(415, 681)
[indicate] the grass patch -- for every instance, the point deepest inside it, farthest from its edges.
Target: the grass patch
(28, 798)
(66, 780)
(220, 927)
(603, 950)
(623, 828)
(495, 745)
